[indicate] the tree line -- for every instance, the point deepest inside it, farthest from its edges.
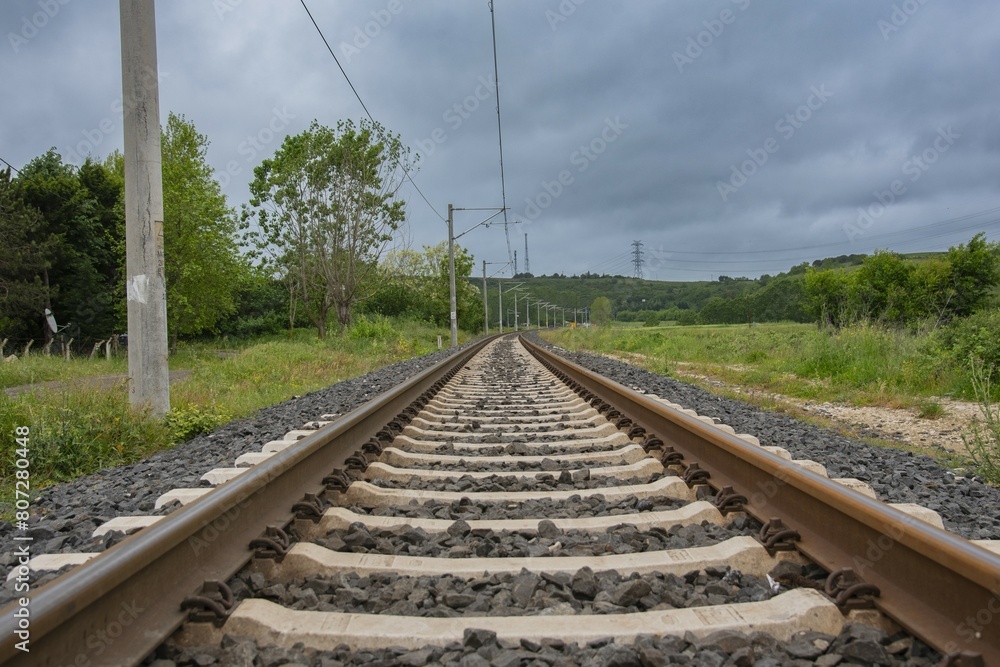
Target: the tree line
(310, 249)
(891, 290)
(885, 287)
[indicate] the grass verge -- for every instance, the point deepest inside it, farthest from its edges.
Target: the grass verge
(76, 430)
(862, 365)
(859, 366)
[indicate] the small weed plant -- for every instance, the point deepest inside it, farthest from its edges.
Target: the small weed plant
(983, 437)
(186, 422)
(930, 409)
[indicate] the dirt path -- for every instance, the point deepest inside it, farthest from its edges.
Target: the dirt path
(97, 381)
(897, 424)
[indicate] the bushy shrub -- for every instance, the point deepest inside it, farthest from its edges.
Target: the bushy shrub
(187, 422)
(372, 327)
(976, 338)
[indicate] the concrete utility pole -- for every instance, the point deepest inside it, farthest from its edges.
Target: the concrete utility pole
(515, 310)
(486, 307)
(514, 290)
(500, 305)
(451, 263)
(145, 286)
(451, 277)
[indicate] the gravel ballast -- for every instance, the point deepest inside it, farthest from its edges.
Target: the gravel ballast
(574, 507)
(855, 645)
(462, 541)
(520, 447)
(577, 480)
(524, 593)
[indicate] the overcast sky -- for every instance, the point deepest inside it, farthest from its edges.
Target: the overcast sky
(733, 137)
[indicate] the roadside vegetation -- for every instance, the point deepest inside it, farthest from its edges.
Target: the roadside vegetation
(862, 364)
(885, 331)
(302, 288)
(81, 428)
(859, 365)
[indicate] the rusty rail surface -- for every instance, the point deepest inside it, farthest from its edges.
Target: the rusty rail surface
(935, 584)
(121, 605)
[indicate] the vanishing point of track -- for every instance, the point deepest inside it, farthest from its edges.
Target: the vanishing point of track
(508, 424)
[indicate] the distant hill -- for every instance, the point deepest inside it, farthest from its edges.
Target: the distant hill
(768, 298)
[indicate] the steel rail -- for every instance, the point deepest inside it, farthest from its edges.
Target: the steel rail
(118, 607)
(938, 586)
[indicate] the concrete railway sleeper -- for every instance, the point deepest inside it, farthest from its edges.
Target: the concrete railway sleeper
(507, 507)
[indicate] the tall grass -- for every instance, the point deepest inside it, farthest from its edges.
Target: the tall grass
(74, 432)
(983, 437)
(862, 364)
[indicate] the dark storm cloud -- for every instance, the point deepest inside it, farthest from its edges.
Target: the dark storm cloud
(709, 127)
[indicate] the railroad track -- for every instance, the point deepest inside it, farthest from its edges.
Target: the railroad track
(508, 507)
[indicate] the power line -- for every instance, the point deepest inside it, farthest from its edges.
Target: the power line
(496, 83)
(11, 166)
(837, 244)
(620, 264)
(354, 90)
(708, 261)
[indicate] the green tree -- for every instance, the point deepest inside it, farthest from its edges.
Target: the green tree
(203, 266)
(262, 307)
(975, 271)
(718, 311)
(417, 283)
(932, 290)
(79, 211)
(600, 310)
(883, 288)
(827, 296)
(22, 260)
(780, 298)
(327, 207)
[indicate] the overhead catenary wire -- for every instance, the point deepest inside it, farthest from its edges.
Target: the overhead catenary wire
(406, 171)
(802, 258)
(11, 166)
(496, 84)
(618, 265)
(867, 241)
